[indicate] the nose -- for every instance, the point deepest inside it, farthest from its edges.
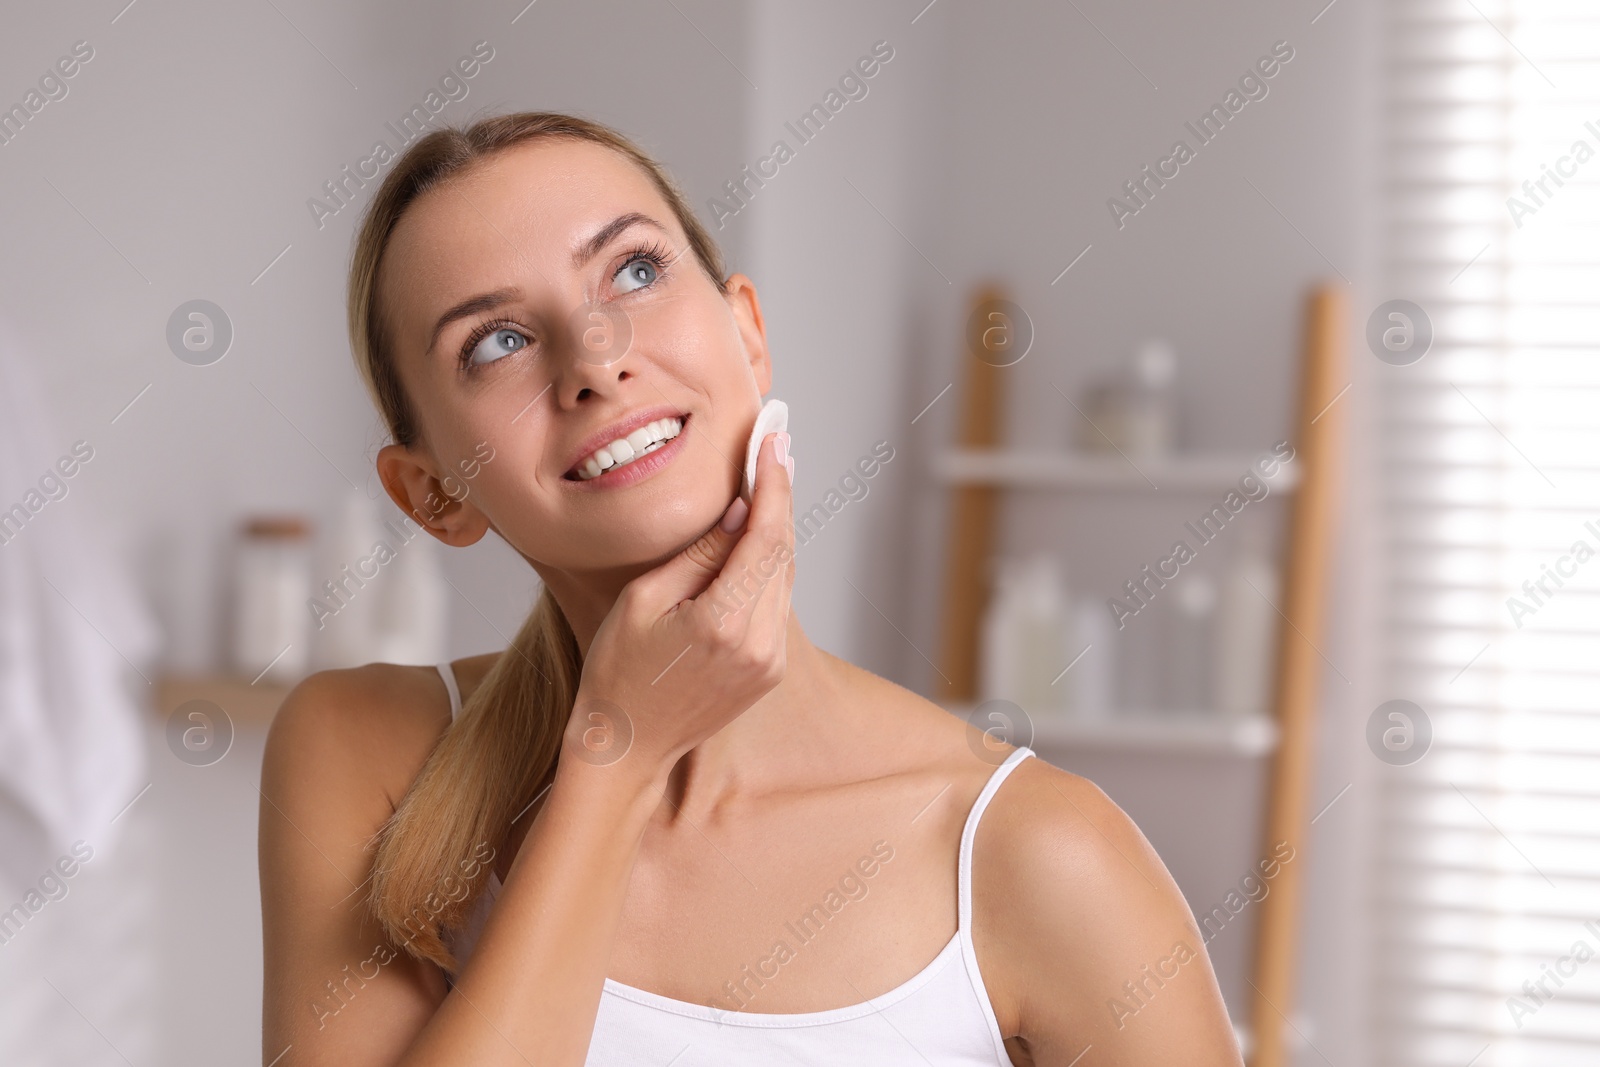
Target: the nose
(596, 353)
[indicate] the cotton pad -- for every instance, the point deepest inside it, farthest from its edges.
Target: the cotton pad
(773, 418)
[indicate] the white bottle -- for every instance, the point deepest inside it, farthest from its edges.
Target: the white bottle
(1193, 637)
(1091, 676)
(1047, 638)
(1025, 637)
(998, 651)
(1148, 416)
(413, 606)
(1247, 633)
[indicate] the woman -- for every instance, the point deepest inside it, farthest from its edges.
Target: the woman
(662, 827)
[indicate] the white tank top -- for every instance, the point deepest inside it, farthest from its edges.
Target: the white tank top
(939, 1017)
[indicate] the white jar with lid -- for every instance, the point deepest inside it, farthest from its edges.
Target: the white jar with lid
(1133, 412)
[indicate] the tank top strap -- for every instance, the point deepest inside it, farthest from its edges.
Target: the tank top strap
(969, 833)
(969, 953)
(448, 673)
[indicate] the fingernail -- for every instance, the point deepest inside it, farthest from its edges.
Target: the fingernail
(780, 446)
(733, 518)
(788, 465)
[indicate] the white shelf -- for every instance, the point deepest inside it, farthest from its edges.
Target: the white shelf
(1036, 469)
(1181, 732)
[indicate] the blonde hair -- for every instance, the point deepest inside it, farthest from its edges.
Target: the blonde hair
(500, 752)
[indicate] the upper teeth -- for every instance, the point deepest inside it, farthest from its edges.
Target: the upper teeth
(645, 439)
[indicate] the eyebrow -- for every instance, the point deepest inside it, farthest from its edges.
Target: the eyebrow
(472, 305)
(605, 234)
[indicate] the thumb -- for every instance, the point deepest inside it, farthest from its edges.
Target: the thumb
(689, 573)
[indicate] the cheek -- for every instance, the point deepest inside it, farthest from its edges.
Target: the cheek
(694, 341)
(685, 332)
(511, 489)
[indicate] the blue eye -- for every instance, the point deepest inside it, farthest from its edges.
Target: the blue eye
(501, 342)
(640, 270)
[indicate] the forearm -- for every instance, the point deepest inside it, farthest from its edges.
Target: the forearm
(532, 988)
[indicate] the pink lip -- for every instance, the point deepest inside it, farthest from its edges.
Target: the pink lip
(622, 428)
(636, 470)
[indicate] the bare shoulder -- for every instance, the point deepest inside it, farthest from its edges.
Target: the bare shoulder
(371, 726)
(1048, 826)
(1079, 927)
(364, 726)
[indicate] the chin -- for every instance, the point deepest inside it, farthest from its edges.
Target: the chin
(654, 534)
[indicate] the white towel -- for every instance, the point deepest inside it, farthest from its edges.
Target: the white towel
(75, 636)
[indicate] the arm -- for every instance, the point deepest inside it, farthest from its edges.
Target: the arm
(1093, 943)
(339, 759)
(337, 992)
(531, 990)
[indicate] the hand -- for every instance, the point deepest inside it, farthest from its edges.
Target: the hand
(692, 644)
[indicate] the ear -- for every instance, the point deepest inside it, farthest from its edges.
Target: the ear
(440, 507)
(740, 293)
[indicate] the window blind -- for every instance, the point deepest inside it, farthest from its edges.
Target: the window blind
(1487, 873)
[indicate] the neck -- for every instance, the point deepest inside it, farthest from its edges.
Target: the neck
(794, 726)
(794, 730)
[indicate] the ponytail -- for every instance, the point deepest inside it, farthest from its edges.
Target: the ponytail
(490, 765)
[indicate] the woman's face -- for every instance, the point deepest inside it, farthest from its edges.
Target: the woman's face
(588, 312)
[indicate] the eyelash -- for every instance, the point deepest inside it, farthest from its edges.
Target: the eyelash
(654, 253)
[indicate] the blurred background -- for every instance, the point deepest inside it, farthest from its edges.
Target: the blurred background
(1341, 345)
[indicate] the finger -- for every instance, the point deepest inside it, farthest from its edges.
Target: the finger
(687, 574)
(770, 613)
(772, 507)
(778, 486)
(764, 555)
(765, 615)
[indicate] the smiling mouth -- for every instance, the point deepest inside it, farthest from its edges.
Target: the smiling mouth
(625, 451)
